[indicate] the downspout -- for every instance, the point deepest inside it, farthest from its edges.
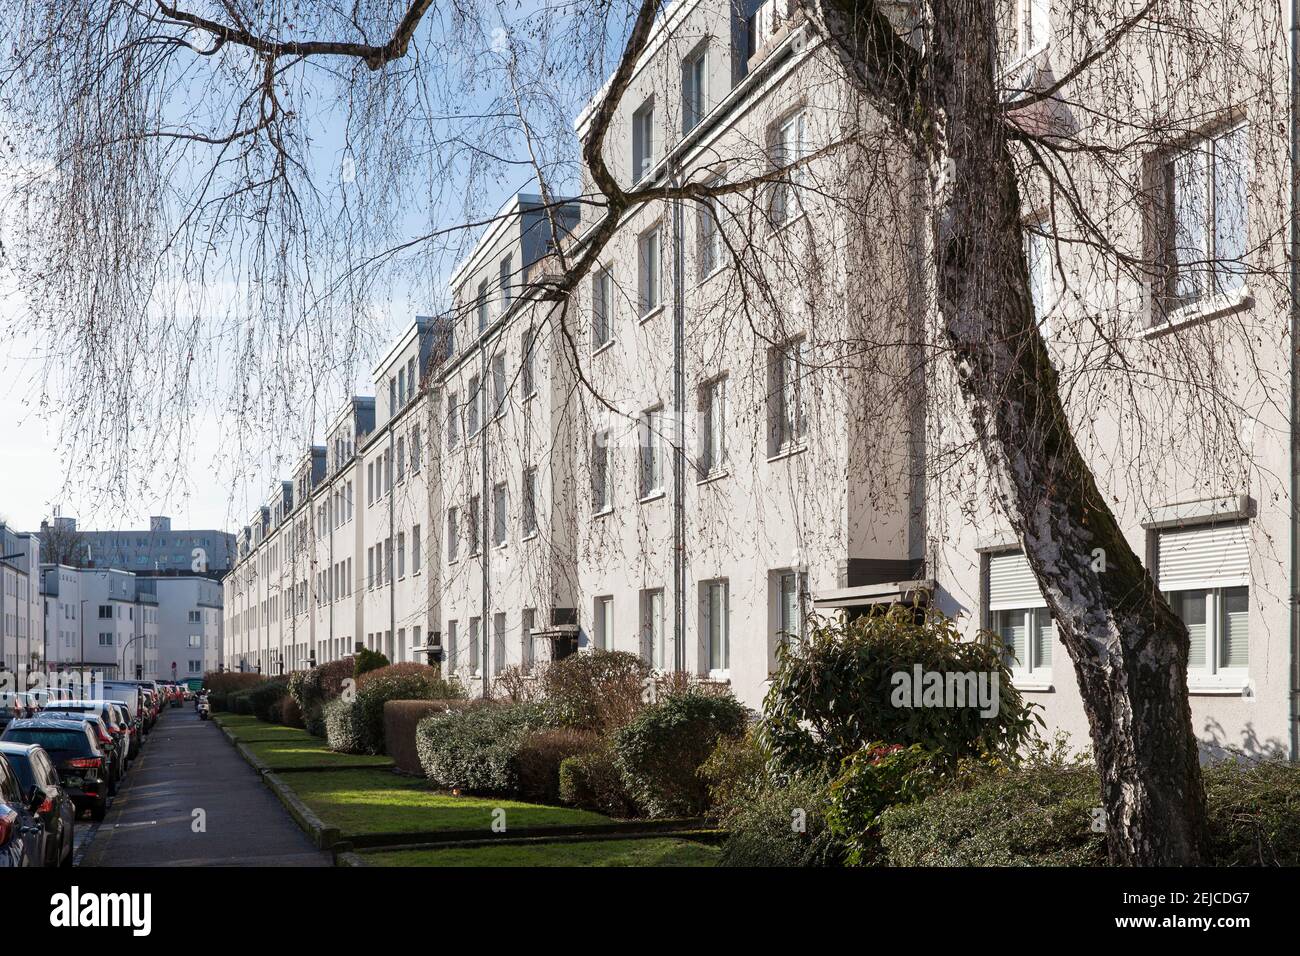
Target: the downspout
(679, 451)
(392, 536)
(481, 519)
(1294, 279)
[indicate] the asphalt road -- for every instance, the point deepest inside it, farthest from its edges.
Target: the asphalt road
(187, 765)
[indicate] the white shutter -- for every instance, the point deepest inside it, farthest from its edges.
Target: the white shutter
(1012, 583)
(1213, 556)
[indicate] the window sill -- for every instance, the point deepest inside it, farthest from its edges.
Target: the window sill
(501, 546)
(652, 496)
(603, 513)
(647, 316)
(1212, 308)
(784, 224)
(713, 476)
(1028, 682)
(532, 535)
(602, 347)
(702, 280)
(787, 452)
(1198, 686)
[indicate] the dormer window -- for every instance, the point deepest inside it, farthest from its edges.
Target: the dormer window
(643, 150)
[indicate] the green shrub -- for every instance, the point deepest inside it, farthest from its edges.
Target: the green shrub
(600, 691)
(837, 690)
(311, 688)
(871, 781)
(226, 682)
(540, 755)
(400, 720)
(1254, 812)
(661, 750)
(394, 682)
(476, 749)
(290, 713)
(735, 773)
(343, 726)
(264, 700)
(368, 660)
(592, 781)
(782, 824)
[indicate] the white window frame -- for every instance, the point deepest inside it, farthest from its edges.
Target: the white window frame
(713, 431)
(695, 87)
(601, 473)
(649, 271)
(500, 515)
(1028, 605)
(789, 145)
(643, 140)
(788, 411)
(715, 625)
(650, 453)
(654, 642)
(602, 302)
(530, 524)
(602, 622)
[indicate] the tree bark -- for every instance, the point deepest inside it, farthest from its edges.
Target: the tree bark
(1128, 647)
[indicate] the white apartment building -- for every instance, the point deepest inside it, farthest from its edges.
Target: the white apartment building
(189, 625)
(102, 620)
(22, 619)
(687, 458)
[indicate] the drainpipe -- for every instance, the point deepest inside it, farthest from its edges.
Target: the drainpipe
(1294, 278)
(679, 452)
(392, 535)
(481, 519)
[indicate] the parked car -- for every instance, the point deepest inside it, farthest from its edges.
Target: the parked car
(22, 835)
(13, 706)
(38, 779)
(82, 765)
(110, 713)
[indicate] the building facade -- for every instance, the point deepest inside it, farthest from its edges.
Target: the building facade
(160, 548)
(22, 619)
(732, 424)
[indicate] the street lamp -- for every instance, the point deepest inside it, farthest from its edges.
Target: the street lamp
(122, 669)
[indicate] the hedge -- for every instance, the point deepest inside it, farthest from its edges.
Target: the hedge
(362, 730)
(592, 781)
(476, 749)
(540, 755)
(400, 720)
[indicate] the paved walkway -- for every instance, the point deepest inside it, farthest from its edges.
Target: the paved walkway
(188, 764)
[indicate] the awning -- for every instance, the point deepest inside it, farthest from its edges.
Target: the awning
(557, 632)
(890, 592)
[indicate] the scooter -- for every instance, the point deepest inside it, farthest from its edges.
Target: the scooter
(202, 707)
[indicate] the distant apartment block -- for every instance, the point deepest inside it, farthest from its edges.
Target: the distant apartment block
(160, 548)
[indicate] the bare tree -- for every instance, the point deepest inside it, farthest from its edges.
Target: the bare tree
(166, 149)
(62, 543)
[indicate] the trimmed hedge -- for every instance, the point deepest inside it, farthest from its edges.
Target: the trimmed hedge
(659, 753)
(476, 749)
(401, 717)
(362, 731)
(592, 781)
(540, 755)
(600, 691)
(264, 700)
(343, 731)
(313, 687)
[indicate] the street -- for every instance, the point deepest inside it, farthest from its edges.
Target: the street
(190, 800)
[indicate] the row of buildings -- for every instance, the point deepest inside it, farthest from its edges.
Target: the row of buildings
(163, 623)
(736, 421)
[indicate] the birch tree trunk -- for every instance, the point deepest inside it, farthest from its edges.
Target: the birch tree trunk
(1128, 647)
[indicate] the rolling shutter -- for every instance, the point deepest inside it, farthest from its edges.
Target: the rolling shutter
(1214, 556)
(1012, 583)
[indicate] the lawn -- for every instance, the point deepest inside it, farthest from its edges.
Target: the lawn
(379, 801)
(659, 851)
(308, 752)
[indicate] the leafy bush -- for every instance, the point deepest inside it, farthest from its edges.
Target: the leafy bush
(476, 749)
(1254, 812)
(593, 782)
(311, 688)
(661, 750)
(782, 824)
(600, 691)
(871, 781)
(365, 729)
(368, 660)
(343, 727)
(400, 720)
(264, 700)
(225, 682)
(290, 712)
(838, 690)
(540, 755)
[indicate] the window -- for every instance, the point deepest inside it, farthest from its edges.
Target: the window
(105, 611)
(603, 623)
(1032, 29)
(785, 397)
(708, 240)
(475, 528)
(499, 513)
(530, 501)
(716, 631)
(401, 457)
(401, 385)
(453, 534)
(498, 643)
(694, 89)
(527, 363)
(1203, 206)
(452, 414)
(506, 277)
(1040, 258)
(370, 483)
(451, 644)
(370, 568)
(648, 278)
(414, 446)
(473, 402)
(789, 607)
(643, 140)
(601, 499)
(410, 378)
(106, 639)
(527, 621)
(388, 471)
(1018, 614)
(653, 649)
(789, 146)
(415, 550)
(195, 617)
(498, 384)
(481, 306)
(388, 560)
(602, 298)
(392, 396)
(652, 454)
(1205, 573)
(475, 649)
(195, 640)
(713, 417)
(401, 554)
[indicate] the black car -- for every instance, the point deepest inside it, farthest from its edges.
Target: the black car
(38, 779)
(110, 714)
(13, 706)
(83, 767)
(22, 835)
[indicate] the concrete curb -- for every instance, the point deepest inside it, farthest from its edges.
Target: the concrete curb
(325, 837)
(629, 830)
(350, 858)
